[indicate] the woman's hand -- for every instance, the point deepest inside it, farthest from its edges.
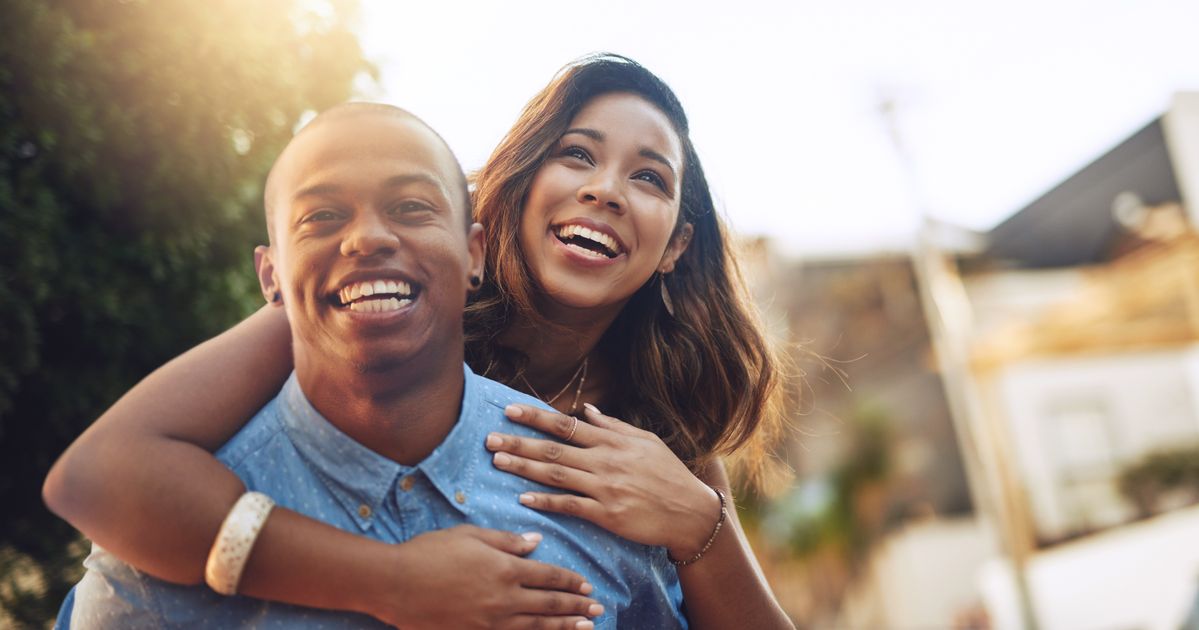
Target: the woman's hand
(623, 479)
(470, 577)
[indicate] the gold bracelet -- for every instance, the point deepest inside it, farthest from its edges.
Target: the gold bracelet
(711, 539)
(233, 543)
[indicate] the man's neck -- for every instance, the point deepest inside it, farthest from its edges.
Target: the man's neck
(402, 413)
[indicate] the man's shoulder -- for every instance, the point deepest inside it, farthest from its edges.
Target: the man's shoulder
(496, 395)
(259, 433)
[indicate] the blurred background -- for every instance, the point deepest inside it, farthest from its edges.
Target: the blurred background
(973, 226)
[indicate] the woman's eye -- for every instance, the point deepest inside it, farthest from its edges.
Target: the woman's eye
(651, 177)
(578, 153)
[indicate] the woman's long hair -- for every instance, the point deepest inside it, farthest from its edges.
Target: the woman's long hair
(703, 379)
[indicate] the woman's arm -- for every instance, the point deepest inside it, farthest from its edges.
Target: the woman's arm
(628, 481)
(142, 483)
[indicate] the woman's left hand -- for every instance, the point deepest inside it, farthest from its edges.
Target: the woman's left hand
(624, 479)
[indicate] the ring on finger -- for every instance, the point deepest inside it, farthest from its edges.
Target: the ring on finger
(572, 428)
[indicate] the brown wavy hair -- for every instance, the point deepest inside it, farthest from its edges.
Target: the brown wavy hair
(704, 379)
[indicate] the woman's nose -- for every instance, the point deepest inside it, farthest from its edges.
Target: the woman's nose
(603, 190)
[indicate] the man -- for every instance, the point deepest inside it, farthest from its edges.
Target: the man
(380, 429)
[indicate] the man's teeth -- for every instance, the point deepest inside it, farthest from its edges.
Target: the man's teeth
(368, 288)
(609, 243)
(379, 306)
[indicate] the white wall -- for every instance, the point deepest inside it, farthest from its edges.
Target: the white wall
(1144, 575)
(920, 577)
(1075, 422)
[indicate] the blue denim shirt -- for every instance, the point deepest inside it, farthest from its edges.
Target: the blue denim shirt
(290, 452)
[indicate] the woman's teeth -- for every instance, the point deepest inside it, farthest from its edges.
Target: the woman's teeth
(607, 246)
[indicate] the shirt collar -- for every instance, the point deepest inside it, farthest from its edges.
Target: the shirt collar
(357, 476)
(453, 465)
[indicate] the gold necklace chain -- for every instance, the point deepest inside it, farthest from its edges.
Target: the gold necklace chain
(582, 369)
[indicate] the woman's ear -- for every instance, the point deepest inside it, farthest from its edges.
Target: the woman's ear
(678, 245)
(264, 264)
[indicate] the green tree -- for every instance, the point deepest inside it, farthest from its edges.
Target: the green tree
(134, 140)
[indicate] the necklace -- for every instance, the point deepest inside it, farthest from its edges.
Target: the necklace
(574, 405)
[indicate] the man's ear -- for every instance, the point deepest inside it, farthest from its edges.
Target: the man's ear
(678, 245)
(264, 264)
(477, 250)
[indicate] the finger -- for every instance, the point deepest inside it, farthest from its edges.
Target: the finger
(574, 505)
(540, 450)
(535, 622)
(596, 418)
(509, 542)
(563, 427)
(549, 577)
(555, 475)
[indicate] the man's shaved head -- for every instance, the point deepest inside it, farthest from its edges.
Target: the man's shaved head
(356, 110)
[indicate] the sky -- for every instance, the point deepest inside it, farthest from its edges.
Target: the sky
(831, 127)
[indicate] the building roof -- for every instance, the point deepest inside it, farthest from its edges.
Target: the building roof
(1073, 223)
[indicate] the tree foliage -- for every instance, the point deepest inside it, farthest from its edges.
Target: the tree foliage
(134, 140)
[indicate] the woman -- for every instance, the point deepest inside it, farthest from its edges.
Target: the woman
(608, 286)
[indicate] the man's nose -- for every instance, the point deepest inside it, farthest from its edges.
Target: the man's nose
(369, 235)
(603, 189)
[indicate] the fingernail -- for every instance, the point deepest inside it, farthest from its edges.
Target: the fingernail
(590, 407)
(533, 537)
(585, 588)
(595, 610)
(501, 459)
(584, 625)
(512, 411)
(526, 499)
(494, 441)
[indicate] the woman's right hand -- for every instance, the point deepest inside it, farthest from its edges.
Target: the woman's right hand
(470, 577)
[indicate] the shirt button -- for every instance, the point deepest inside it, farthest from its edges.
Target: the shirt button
(406, 484)
(460, 497)
(364, 511)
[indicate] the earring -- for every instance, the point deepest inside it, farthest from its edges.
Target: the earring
(276, 298)
(666, 301)
(475, 282)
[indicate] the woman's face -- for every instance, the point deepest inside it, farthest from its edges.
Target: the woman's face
(601, 210)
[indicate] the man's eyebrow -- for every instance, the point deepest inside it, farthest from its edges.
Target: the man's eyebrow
(414, 178)
(319, 190)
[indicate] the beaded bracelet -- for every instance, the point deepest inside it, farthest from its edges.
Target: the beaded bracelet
(711, 539)
(233, 543)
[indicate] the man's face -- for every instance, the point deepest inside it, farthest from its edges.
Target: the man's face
(370, 254)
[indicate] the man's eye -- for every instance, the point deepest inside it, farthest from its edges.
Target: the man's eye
(410, 207)
(323, 214)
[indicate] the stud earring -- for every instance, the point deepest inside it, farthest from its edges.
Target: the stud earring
(276, 298)
(475, 282)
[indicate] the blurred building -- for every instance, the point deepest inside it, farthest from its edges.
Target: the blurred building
(1068, 346)
(1038, 389)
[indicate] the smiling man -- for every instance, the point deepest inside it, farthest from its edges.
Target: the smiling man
(380, 430)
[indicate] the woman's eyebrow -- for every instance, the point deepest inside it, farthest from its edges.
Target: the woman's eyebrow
(658, 157)
(590, 133)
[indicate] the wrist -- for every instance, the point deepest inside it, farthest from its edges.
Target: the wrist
(693, 537)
